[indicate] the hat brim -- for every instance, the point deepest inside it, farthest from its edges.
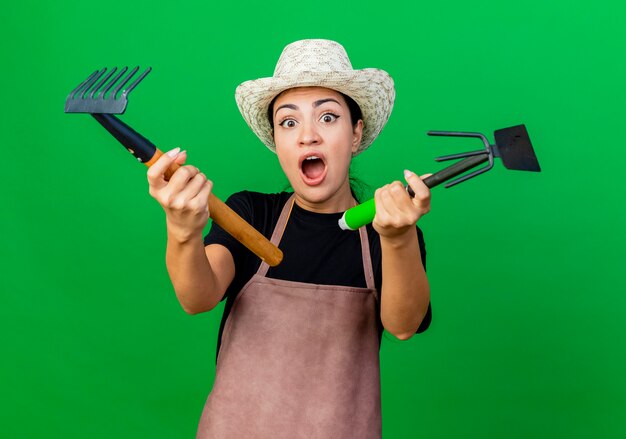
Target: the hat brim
(372, 89)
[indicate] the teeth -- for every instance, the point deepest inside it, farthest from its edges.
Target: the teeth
(313, 157)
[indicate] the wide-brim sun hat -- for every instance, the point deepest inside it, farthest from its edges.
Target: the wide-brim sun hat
(318, 63)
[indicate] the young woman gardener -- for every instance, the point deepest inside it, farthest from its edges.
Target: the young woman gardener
(298, 345)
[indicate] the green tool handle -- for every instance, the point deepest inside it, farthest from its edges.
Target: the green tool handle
(363, 214)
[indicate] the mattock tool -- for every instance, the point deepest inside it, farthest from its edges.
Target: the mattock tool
(512, 146)
(103, 96)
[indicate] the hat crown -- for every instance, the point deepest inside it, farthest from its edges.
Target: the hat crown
(312, 56)
(318, 63)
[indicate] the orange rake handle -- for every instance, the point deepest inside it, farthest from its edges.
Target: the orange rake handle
(92, 96)
(230, 221)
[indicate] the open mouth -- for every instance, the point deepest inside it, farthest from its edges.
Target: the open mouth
(313, 169)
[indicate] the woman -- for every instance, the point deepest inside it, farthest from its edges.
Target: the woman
(299, 342)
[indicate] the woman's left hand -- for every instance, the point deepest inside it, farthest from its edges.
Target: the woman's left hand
(396, 211)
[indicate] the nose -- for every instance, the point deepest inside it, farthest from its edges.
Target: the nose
(309, 134)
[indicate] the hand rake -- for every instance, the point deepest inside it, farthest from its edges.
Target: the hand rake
(103, 96)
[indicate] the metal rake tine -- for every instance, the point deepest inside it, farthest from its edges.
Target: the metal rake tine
(91, 82)
(471, 174)
(80, 86)
(123, 83)
(101, 83)
(137, 81)
(460, 134)
(443, 158)
(113, 81)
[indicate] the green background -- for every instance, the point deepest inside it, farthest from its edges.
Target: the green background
(528, 336)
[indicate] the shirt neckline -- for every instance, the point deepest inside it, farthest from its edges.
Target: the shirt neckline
(316, 218)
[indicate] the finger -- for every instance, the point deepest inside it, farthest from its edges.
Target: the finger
(424, 176)
(193, 186)
(401, 205)
(201, 201)
(181, 158)
(399, 194)
(396, 200)
(156, 172)
(422, 192)
(387, 210)
(181, 178)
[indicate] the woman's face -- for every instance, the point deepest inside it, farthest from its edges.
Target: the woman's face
(315, 141)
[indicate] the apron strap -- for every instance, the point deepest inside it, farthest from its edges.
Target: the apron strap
(278, 231)
(365, 245)
(367, 260)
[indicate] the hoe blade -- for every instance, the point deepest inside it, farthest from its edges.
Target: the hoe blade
(514, 148)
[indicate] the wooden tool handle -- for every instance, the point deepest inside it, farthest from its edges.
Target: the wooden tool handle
(233, 224)
(147, 153)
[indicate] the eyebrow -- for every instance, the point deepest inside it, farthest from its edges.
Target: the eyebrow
(322, 101)
(292, 106)
(315, 104)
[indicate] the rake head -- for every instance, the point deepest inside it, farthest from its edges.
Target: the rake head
(100, 93)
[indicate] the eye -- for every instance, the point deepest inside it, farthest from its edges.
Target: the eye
(329, 117)
(288, 123)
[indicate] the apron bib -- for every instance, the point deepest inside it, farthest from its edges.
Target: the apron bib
(298, 360)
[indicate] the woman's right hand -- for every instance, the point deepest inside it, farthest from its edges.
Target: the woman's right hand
(184, 197)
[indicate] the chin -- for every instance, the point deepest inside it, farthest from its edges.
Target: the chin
(314, 194)
(317, 195)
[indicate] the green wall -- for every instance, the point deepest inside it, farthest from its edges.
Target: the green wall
(528, 337)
